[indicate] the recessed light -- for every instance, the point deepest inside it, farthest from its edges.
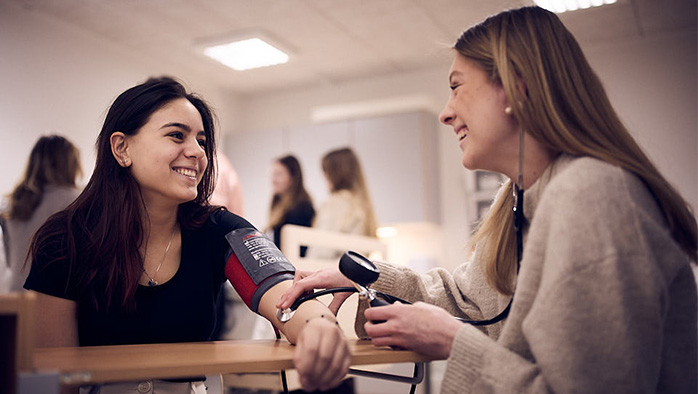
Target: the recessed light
(246, 54)
(560, 6)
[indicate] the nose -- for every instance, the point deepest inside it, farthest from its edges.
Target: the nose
(193, 149)
(446, 116)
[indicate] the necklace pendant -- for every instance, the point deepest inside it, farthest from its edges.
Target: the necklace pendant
(152, 283)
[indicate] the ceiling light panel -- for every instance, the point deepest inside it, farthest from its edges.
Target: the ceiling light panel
(560, 6)
(246, 54)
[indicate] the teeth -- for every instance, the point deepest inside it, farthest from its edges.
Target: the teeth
(461, 134)
(185, 172)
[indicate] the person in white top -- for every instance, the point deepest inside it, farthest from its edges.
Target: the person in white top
(348, 209)
(47, 186)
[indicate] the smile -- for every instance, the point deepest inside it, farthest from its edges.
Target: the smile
(186, 172)
(461, 133)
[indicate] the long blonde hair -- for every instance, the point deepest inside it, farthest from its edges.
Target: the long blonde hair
(344, 172)
(564, 107)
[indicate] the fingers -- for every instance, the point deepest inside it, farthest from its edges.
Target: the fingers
(322, 356)
(295, 291)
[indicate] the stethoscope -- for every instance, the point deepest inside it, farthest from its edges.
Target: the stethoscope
(362, 273)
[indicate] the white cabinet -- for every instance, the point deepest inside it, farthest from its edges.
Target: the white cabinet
(481, 188)
(399, 157)
(251, 155)
(398, 154)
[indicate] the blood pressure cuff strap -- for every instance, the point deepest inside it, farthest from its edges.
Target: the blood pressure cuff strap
(254, 265)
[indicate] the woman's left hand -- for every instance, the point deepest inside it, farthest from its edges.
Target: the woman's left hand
(322, 355)
(420, 327)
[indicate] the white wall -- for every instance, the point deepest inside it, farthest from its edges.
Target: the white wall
(56, 79)
(651, 83)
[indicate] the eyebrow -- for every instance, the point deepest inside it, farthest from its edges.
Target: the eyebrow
(177, 124)
(182, 126)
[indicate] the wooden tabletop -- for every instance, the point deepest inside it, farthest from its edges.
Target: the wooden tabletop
(92, 364)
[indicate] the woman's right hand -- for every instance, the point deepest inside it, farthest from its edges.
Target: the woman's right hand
(307, 281)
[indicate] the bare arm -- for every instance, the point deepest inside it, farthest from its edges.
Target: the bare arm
(322, 355)
(56, 322)
(307, 311)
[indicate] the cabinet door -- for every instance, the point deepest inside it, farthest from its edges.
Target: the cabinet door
(398, 154)
(251, 154)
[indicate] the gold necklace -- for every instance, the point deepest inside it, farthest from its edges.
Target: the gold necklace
(151, 280)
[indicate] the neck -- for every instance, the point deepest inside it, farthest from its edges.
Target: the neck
(536, 159)
(160, 222)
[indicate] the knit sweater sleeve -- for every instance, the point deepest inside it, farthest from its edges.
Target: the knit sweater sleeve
(463, 293)
(605, 301)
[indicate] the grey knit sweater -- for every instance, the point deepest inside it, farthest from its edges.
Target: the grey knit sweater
(605, 300)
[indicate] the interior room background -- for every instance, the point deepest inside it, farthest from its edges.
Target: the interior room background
(56, 78)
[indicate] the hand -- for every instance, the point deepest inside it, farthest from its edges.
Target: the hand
(305, 281)
(322, 355)
(420, 327)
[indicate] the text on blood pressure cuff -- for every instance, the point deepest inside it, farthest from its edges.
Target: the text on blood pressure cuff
(254, 265)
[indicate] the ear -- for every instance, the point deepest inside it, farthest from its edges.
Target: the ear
(119, 148)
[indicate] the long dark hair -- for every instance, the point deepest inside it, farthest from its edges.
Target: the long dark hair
(100, 233)
(281, 203)
(53, 161)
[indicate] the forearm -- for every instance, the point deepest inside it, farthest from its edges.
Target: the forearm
(306, 312)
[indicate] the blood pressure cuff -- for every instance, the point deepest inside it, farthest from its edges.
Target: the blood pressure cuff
(254, 265)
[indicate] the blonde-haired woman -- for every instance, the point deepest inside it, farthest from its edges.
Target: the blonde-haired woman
(604, 297)
(47, 186)
(348, 208)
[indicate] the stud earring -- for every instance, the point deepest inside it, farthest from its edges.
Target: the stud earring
(508, 110)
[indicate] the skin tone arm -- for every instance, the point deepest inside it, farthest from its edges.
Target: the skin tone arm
(421, 327)
(322, 355)
(55, 321)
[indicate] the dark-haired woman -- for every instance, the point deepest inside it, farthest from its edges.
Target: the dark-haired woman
(141, 256)
(291, 203)
(48, 186)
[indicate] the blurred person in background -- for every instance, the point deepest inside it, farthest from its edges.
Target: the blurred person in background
(291, 203)
(228, 191)
(47, 186)
(348, 208)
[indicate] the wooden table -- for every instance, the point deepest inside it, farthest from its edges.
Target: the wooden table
(97, 364)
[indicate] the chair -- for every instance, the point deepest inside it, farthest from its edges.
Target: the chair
(16, 337)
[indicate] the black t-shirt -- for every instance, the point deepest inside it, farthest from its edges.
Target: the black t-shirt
(179, 310)
(302, 214)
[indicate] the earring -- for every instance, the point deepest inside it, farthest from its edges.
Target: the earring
(508, 110)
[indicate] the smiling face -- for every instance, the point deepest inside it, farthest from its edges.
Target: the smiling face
(167, 156)
(487, 135)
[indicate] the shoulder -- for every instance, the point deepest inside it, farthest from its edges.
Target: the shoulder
(600, 200)
(63, 192)
(225, 221)
(587, 180)
(338, 199)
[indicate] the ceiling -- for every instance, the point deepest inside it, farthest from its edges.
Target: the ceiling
(329, 41)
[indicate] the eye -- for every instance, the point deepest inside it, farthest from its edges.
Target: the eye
(176, 134)
(454, 86)
(202, 142)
